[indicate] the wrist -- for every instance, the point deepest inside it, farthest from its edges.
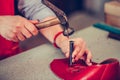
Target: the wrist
(59, 38)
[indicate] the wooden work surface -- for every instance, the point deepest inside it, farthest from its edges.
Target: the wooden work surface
(34, 63)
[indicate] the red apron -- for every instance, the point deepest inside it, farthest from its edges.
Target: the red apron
(7, 48)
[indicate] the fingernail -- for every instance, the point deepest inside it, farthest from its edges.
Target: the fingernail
(73, 60)
(89, 64)
(67, 55)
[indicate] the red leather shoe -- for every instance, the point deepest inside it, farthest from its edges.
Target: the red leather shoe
(106, 70)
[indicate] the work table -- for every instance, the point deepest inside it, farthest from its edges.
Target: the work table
(33, 64)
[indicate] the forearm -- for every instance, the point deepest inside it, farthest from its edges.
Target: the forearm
(51, 31)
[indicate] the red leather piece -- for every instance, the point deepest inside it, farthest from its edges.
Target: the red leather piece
(107, 70)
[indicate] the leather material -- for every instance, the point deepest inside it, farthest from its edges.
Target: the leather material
(106, 70)
(7, 48)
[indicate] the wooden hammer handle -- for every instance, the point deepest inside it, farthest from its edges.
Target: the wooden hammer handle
(48, 23)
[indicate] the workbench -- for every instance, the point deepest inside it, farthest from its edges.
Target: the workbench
(33, 64)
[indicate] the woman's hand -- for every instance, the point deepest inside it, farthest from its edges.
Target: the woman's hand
(80, 50)
(17, 28)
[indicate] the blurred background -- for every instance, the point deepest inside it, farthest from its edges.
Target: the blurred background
(82, 13)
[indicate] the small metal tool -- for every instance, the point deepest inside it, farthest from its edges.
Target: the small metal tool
(71, 51)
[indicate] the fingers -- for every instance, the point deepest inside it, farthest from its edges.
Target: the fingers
(80, 52)
(67, 54)
(17, 28)
(26, 30)
(74, 54)
(21, 33)
(89, 57)
(34, 21)
(31, 28)
(12, 37)
(79, 49)
(26, 33)
(20, 36)
(84, 55)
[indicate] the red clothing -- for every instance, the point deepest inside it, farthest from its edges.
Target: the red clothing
(7, 48)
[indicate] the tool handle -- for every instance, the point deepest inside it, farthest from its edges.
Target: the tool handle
(48, 23)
